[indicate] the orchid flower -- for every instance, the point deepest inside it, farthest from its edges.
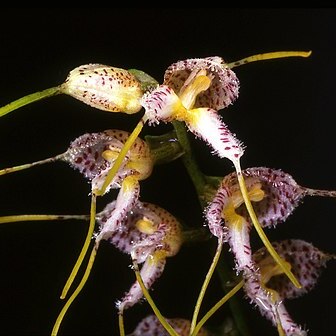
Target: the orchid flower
(101, 86)
(137, 166)
(193, 91)
(93, 154)
(269, 288)
(274, 194)
(149, 234)
(151, 326)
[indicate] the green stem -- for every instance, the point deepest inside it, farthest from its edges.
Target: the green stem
(234, 303)
(219, 304)
(196, 235)
(147, 82)
(67, 305)
(121, 325)
(29, 99)
(30, 165)
(205, 286)
(189, 162)
(84, 250)
(27, 218)
(164, 148)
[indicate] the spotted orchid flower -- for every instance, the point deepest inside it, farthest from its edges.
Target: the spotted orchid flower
(104, 87)
(193, 91)
(151, 326)
(274, 194)
(149, 234)
(101, 86)
(93, 155)
(269, 288)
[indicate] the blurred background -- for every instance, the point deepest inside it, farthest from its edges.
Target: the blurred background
(284, 116)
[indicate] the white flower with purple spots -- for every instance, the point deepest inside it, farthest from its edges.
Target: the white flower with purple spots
(269, 287)
(193, 91)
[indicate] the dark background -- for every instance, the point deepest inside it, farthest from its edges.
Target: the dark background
(284, 115)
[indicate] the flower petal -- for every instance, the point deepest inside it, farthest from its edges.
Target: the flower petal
(150, 271)
(166, 231)
(162, 104)
(207, 124)
(224, 87)
(270, 305)
(234, 229)
(213, 213)
(306, 262)
(104, 87)
(147, 232)
(127, 197)
(87, 154)
(269, 288)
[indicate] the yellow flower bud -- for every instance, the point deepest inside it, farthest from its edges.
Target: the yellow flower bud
(104, 87)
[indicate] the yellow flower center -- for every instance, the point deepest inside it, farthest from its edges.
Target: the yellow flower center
(194, 85)
(269, 269)
(145, 225)
(256, 194)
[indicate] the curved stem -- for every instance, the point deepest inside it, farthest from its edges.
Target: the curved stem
(29, 99)
(164, 148)
(219, 304)
(156, 311)
(30, 165)
(84, 248)
(189, 162)
(267, 56)
(227, 276)
(205, 286)
(121, 324)
(75, 293)
(27, 218)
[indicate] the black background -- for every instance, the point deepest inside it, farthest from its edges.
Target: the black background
(284, 116)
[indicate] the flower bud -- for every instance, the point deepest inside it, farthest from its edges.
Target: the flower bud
(104, 87)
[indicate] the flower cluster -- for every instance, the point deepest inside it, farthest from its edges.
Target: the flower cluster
(192, 94)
